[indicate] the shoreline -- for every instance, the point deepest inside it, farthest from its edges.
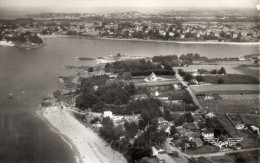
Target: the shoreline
(181, 42)
(63, 137)
(155, 41)
(83, 141)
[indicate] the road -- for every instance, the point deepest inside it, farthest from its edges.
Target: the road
(194, 97)
(221, 153)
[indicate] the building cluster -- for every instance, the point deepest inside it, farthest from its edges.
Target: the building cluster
(142, 29)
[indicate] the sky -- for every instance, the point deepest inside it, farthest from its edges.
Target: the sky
(129, 3)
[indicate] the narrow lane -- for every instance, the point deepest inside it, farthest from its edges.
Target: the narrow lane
(194, 97)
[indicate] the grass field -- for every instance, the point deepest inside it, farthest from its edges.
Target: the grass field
(246, 103)
(229, 68)
(251, 119)
(231, 79)
(252, 71)
(249, 138)
(227, 89)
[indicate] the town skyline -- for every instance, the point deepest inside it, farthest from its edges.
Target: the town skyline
(75, 5)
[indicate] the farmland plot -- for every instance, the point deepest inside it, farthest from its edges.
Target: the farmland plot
(246, 103)
(252, 71)
(226, 89)
(229, 68)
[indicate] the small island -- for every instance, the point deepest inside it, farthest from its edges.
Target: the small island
(21, 39)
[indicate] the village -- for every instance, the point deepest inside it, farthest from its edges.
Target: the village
(170, 115)
(173, 26)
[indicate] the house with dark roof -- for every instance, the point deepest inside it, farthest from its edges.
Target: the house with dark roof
(162, 123)
(198, 142)
(191, 126)
(192, 135)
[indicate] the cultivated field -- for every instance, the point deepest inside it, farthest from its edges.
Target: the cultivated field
(231, 79)
(249, 138)
(229, 68)
(252, 71)
(251, 119)
(227, 89)
(246, 103)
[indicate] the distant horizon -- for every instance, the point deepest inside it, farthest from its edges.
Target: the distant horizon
(112, 9)
(19, 8)
(75, 4)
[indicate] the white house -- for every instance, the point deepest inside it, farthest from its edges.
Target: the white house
(241, 58)
(153, 77)
(239, 126)
(156, 150)
(210, 115)
(208, 133)
(195, 73)
(208, 97)
(255, 129)
(108, 114)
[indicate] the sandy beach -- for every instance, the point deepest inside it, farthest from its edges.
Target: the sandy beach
(89, 146)
(182, 42)
(163, 41)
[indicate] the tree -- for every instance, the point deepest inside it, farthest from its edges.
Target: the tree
(99, 106)
(167, 115)
(138, 152)
(90, 69)
(213, 71)
(131, 89)
(141, 124)
(222, 70)
(181, 72)
(220, 81)
(126, 76)
(202, 71)
(95, 120)
(241, 159)
(199, 78)
(131, 129)
(196, 56)
(188, 117)
(187, 77)
(86, 100)
(179, 121)
(107, 122)
(173, 130)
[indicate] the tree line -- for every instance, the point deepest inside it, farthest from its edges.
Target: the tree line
(138, 67)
